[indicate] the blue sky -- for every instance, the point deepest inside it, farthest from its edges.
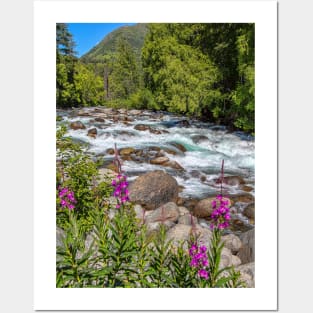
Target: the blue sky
(87, 35)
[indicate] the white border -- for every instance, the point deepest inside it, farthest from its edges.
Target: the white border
(46, 295)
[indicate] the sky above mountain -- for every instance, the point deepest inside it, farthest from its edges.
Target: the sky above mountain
(87, 35)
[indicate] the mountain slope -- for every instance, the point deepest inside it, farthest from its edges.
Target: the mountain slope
(134, 34)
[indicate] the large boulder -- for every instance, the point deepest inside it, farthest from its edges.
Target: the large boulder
(77, 125)
(247, 274)
(153, 189)
(247, 250)
(204, 207)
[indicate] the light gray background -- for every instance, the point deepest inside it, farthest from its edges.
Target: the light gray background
(295, 156)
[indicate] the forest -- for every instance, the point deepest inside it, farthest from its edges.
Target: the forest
(201, 70)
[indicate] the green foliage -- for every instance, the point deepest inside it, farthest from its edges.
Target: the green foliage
(77, 171)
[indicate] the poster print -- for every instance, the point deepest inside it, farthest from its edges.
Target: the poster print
(156, 140)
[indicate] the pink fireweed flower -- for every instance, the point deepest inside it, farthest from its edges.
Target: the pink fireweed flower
(220, 215)
(203, 274)
(67, 198)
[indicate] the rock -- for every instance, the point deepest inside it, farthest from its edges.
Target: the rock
(231, 180)
(155, 131)
(109, 151)
(179, 146)
(249, 210)
(245, 198)
(174, 165)
(112, 167)
(232, 242)
(183, 123)
(247, 250)
(226, 258)
(83, 113)
(166, 212)
(100, 119)
(181, 232)
(134, 112)
(153, 189)
(60, 234)
(159, 160)
(140, 212)
(204, 207)
(183, 211)
(126, 151)
(235, 261)
(142, 127)
(153, 228)
(186, 219)
(77, 125)
(106, 174)
(199, 138)
(247, 273)
(92, 132)
(246, 188)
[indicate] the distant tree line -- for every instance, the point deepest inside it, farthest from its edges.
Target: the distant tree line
(201, 70)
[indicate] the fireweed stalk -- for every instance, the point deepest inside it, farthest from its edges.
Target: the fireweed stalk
(120, 184)
(67, 198)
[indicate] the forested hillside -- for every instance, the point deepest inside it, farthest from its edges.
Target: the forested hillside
(200, 70)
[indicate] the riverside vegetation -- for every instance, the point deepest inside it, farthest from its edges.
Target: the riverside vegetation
(121, 252)
(199, 70)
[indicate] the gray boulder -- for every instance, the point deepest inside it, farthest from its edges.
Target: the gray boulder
(153, 189)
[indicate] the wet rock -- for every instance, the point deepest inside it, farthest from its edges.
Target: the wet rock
(153, 189)
(179, 146)
(126, 151)
(231, 180)
(83, 113)
(166, 212)
(247, 188)
(100, 119)
(183, 123)
(249, 210)
(92, 132)
(77, 125)
(199, 138)
(109, 151)
(247, 251)
(112, 167)
(245, 198)
(159, 160)
(174, 165)
(142, 127)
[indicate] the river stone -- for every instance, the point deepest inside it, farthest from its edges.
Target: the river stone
(106, 174)
(246, 188)
(109, 151)
(142, 127)
(153, 228)
(226, 258)
(77, 125)
(153, 189)
(126, 151)
(231, 180)
(249, 210)
(232, 242)
(235, 261)
(100, 119)
(92, 132)
(186, 219)
(247, 250)
(174, 165)
(179, 146)
(159, 160)
(60, 235)
(245, 198)
(199, 138)
(167, 212)
(183, 211)
(134, 112)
